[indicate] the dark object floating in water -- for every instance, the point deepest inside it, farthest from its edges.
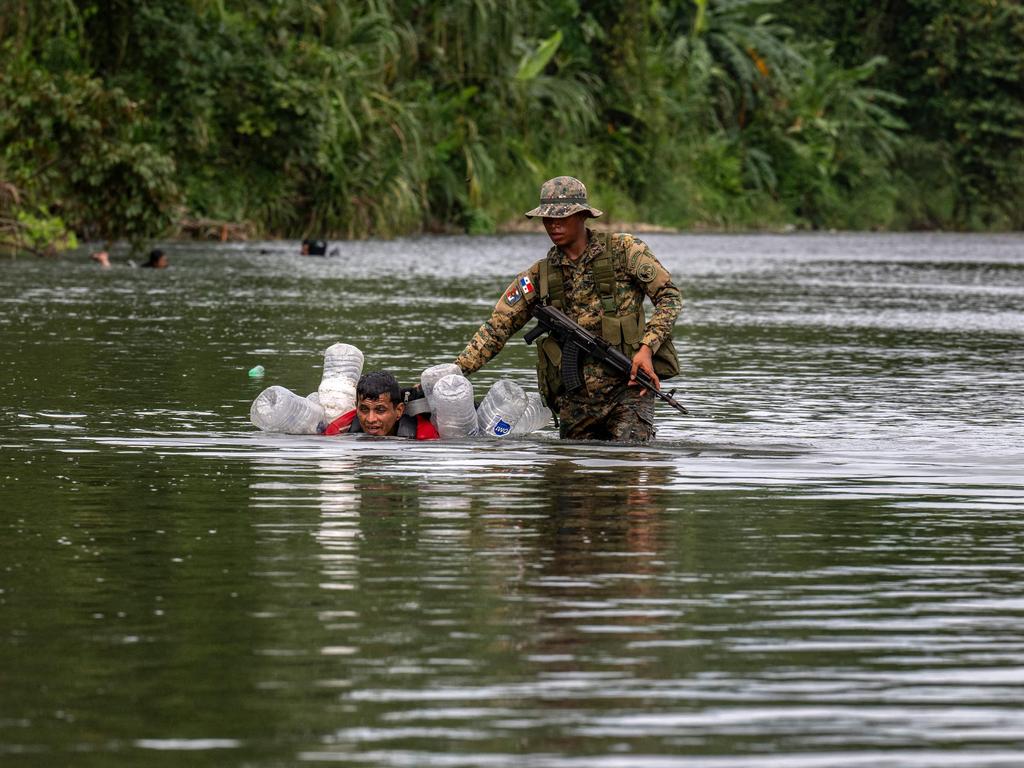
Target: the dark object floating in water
(314, 247)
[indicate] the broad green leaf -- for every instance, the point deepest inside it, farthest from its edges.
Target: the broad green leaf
(533, 64)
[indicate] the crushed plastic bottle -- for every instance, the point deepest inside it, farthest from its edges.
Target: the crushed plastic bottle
(277, 409)
(257, 371)
(430, 377)
(536, 416)
(343, 364)
(501, 409)
(454, 412)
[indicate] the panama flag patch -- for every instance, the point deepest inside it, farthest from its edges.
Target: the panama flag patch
(526, 285)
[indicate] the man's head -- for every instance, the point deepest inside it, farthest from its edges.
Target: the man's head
(314, 247)
(565, 210)
(379, 403)
(157, 259)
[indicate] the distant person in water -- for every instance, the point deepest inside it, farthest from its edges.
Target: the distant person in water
(380, 410)
(102, 258)
(157, 259)
(314, 247)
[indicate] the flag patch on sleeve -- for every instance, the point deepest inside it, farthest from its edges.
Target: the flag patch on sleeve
(512, 296)
(526, 285)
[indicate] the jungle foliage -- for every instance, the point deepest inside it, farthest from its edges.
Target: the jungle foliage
(130, 118)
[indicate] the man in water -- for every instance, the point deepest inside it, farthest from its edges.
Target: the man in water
(600, 281)
(380, 411)
(157, 259)
(314, 247)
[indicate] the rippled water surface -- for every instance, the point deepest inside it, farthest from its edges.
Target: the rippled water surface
(822, 566)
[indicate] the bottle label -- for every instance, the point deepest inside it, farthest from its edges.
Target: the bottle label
(502, 428)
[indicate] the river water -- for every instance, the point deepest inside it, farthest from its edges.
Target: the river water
(822, 566)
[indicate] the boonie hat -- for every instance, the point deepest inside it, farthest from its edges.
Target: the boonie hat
(562, 196)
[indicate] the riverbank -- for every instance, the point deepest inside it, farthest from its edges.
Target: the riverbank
(693, 116)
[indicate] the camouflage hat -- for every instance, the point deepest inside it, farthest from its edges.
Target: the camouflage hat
(562, 196)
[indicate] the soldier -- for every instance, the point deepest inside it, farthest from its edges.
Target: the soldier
(600, 281)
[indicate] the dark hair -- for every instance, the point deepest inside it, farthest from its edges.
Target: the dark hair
(376, 383)
(154, 257)
(316, 247)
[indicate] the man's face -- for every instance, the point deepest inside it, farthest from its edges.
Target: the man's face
(567, 230)
(379, 416)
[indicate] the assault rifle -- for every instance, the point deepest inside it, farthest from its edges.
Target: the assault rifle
(577, 342)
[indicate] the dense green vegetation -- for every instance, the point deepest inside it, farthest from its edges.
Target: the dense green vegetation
(123, 118)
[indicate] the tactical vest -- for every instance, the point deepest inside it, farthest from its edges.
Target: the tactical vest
(625, 331)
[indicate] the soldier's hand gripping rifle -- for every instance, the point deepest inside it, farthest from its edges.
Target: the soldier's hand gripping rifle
(577, 342)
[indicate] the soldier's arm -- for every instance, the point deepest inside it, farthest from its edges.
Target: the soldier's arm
(657, 284)
(510, 314)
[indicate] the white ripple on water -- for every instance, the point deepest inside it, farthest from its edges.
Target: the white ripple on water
(955, 480)
(187, 745)
(868, 758)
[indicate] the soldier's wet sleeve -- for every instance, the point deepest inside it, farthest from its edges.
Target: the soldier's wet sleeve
(510, 314)
(657, 284)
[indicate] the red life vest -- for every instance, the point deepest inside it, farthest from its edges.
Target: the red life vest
(424, 429)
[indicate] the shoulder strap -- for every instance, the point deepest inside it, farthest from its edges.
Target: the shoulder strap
(552, 291)
(417, 406)
(604, 275)
(407, 426)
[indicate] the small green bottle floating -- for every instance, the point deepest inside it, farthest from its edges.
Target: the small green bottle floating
(256, 372)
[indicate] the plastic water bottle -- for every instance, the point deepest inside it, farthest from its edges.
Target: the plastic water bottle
(343, 364)
(536, 416)
(454, 412)
(501, 409)
(430, 377)
(277, 409)
(256, 372)
(314, 397)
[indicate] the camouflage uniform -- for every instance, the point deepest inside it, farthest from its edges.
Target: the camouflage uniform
(605, 408)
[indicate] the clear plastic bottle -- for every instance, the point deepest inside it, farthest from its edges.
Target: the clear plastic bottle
(454, 412)
(501, 409)
(536, 416)
(343, 364)
(433, 374)
(277, 409)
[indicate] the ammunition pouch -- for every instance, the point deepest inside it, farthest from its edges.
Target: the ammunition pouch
(666, 360)
(627, 332)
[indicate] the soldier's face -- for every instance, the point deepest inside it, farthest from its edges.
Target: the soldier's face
(567, 230)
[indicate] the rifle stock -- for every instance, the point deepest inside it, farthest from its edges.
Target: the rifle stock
(577, 342)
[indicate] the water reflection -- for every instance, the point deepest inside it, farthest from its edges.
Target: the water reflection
(599, 555)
